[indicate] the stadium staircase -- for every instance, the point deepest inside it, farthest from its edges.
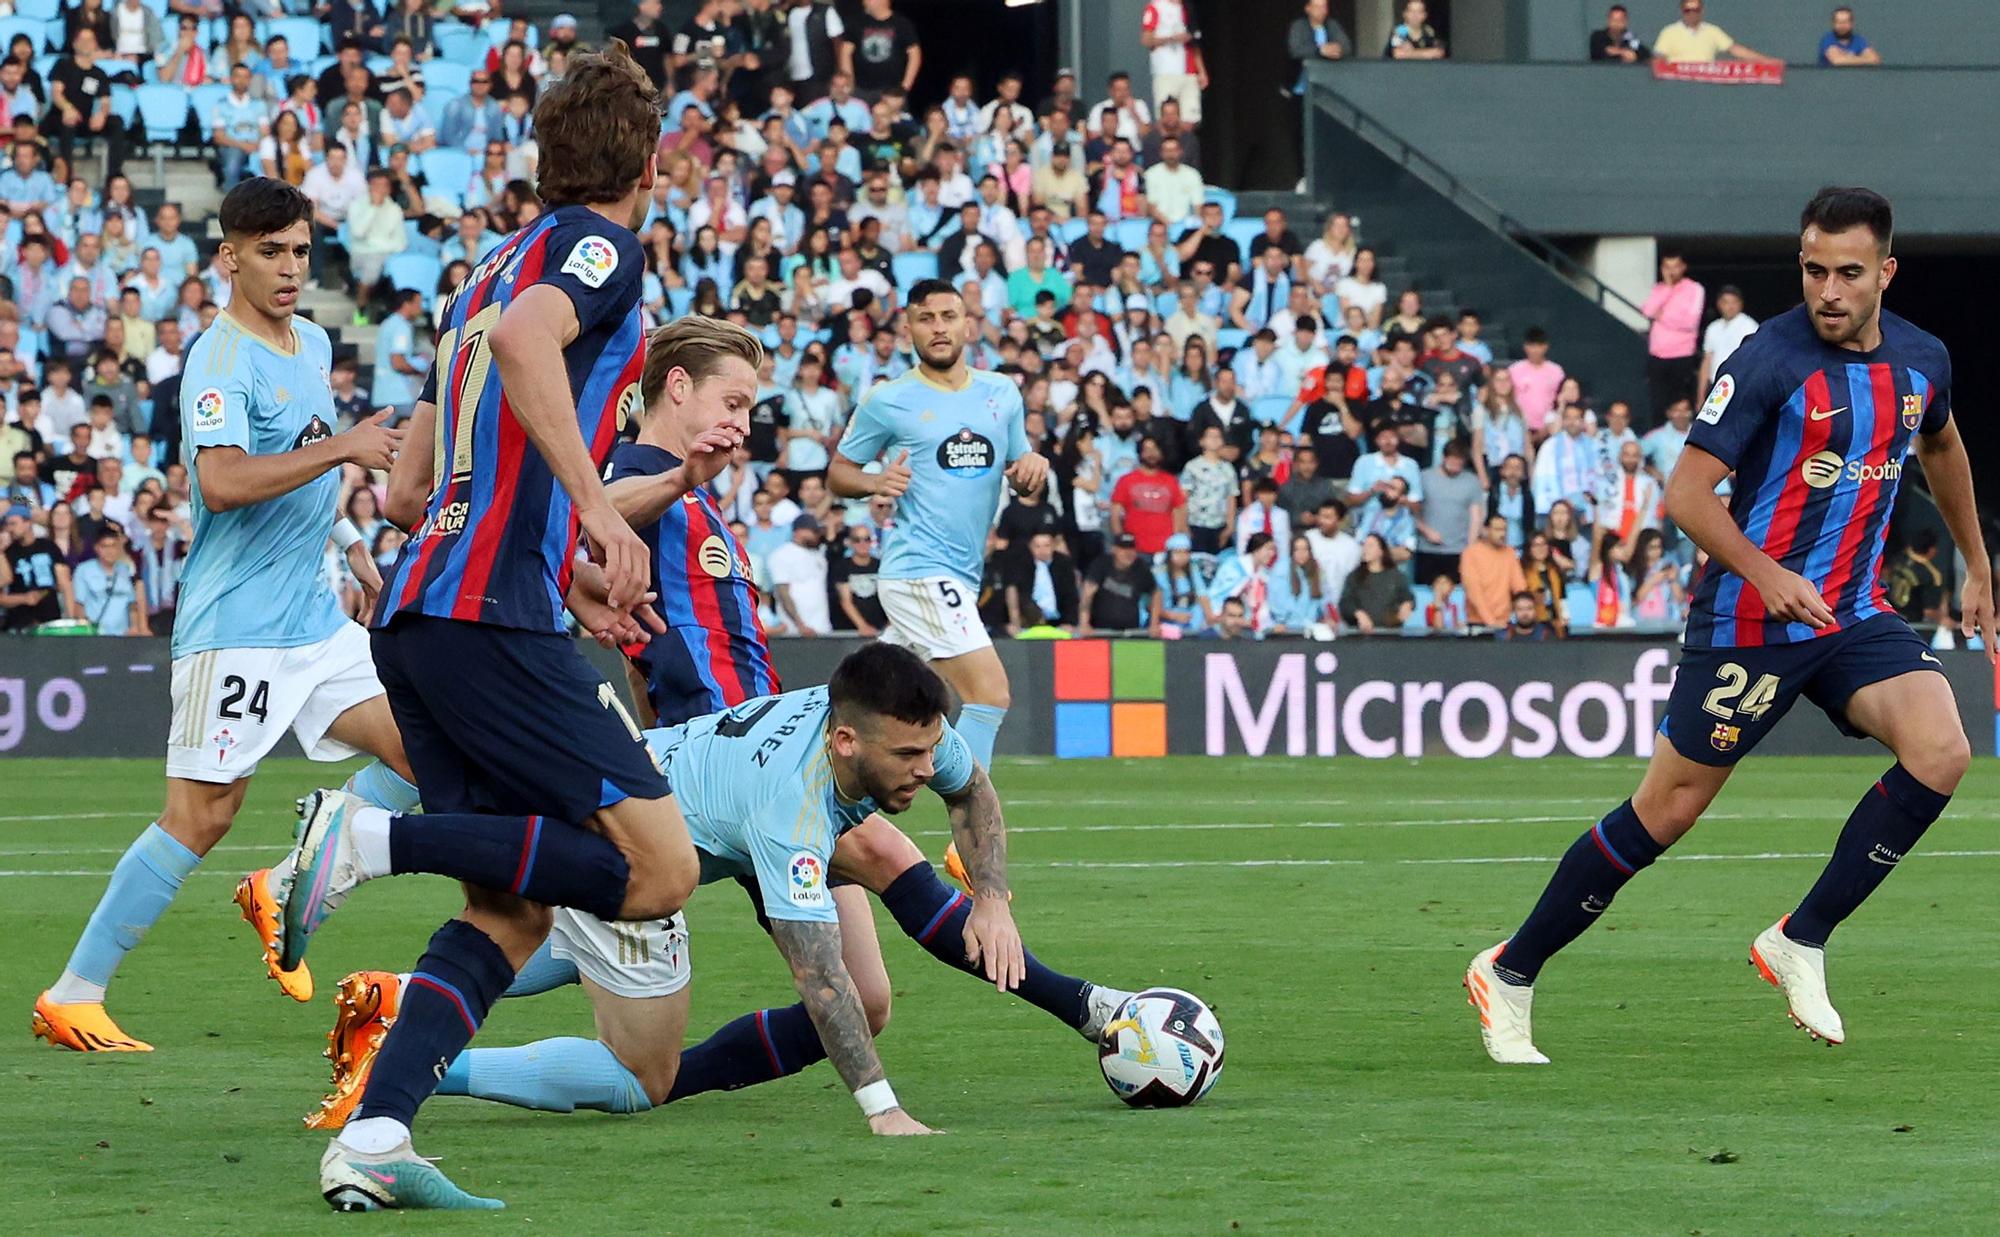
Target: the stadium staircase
(1458, 249)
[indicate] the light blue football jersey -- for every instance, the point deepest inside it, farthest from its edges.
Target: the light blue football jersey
(960, 443)
(756, 786)
(252, 578)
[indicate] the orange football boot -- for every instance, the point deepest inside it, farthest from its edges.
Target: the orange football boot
(954, 867)
(82, 1026)
(366, 1004)
(260, 911)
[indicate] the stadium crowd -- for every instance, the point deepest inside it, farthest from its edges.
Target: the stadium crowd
(1252, 435)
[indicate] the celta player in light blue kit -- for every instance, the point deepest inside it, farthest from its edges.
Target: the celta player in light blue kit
(261, 646)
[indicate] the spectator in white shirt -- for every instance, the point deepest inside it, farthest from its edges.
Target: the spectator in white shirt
(1173, 189)
(374, 232)
(798, 578)
(1135, 119)
(1724, 335)
(1258, 371)
(1263, 515)
(164, 361)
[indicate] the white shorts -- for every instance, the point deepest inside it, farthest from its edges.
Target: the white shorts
(935, 617)
(1183, 88)
(638, 959)
(231, 706)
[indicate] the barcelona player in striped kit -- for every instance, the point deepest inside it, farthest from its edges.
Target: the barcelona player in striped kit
(538, 363)
(1815, 414)
(713, 656)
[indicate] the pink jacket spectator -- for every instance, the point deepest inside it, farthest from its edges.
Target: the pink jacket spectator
(1675, 310)
(1535, 388)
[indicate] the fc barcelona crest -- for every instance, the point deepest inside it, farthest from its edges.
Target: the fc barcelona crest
(1725, 736)
(1913, 411)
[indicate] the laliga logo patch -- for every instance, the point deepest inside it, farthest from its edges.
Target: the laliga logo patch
(1718, 399)
(966, 454)
(1725, 737)
(1913, 411)
(808, 879)
(316, 430)
(592, 261)
(208, 408)
(715, 558)
(1822, 469)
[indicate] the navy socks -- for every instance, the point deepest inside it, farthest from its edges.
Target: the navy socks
(759, 1047)
(540, 859)
(1883, 828)
(454, 984)
(1591, 873)
(933, 915)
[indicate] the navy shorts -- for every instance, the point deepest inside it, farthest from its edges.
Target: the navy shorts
(1726, 700)
(502, 721)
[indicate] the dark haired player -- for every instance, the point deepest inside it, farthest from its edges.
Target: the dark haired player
(1814, 414)
(700, 379)
(261, 646)
(948, 435)
(538, 365)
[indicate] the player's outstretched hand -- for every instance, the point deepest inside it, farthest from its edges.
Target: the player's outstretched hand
(1975, 605)
(709, 454)
(894, 479)
(620, 552)
(992, 939)
(371, 443)
(1028, 473)
(897, 1122)
(1792, 598)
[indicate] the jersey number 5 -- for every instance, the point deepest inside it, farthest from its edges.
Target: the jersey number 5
(1754, 704)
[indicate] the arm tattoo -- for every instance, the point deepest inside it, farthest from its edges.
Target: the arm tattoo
(813, 950)
(981, 833)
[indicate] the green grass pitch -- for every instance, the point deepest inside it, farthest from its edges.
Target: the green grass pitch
(1326, 908)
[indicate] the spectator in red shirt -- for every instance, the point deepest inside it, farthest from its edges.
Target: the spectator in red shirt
(1148, 503)
(1673, 343)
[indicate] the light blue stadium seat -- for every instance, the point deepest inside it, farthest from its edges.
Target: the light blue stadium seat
(414, 271)
(1231, 337)
(1424, 596)
(204, 99)
(444, 75)
(447, 170)
(1243, 231)
(33, 27)
(678, 300)
(1580, 603)
(414, 240)
(302, 35)
(163, 110)
(913, 266)
(38, 10)
(124, 105)
(1130, 234)
(458, 44)
(1072, 230)
(1269, 409)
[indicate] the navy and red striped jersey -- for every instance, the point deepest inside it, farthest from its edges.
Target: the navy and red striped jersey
(498, 532)
(714, 653)
(1817, 436)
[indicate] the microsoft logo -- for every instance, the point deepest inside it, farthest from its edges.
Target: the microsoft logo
(1111, 698)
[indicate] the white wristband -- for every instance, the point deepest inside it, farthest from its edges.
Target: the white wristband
(345, 535)
(876, 1098)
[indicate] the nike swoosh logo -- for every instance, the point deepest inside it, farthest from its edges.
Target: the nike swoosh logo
(390, 1178)
(1932, 660)
(1875, 858)
(1821, 415)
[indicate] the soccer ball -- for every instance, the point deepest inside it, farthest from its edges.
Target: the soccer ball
(1163, 1049)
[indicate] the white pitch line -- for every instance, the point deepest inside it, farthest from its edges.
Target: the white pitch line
(1092, 865)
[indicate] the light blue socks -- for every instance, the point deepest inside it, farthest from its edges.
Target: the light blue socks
(542, 972)
(979, 725)
(384, 788)
(142, 886)
(552, 1075)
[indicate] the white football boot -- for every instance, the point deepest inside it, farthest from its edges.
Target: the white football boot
(1504, 1012)
(1798, 971)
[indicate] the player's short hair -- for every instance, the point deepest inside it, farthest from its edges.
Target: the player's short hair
(1836, 209)
(597, 129)
(262, 205)
(697, 345)
(886, 680)
(925, 289)
(1534, 335)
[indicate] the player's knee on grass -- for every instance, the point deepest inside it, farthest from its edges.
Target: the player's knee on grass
(655, 1070)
